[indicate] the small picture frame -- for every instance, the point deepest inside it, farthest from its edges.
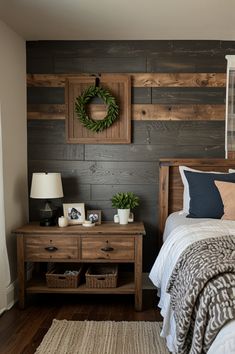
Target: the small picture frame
(94, 216)
(75, 213)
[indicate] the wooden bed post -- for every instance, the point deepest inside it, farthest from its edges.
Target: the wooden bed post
(163, 196)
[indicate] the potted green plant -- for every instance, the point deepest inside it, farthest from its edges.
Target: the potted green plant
(124, 202)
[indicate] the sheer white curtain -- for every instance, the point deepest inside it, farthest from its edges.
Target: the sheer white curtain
(4, 264)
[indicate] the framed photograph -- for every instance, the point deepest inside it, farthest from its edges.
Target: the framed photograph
(75, 213)
(94, 216)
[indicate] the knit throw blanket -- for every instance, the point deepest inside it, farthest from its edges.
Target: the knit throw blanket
(202, 290)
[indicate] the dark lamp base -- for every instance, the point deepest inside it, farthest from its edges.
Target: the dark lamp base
(47, 222)
(47, 214)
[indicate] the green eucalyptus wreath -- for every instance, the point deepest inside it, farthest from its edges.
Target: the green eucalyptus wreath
(84, 99)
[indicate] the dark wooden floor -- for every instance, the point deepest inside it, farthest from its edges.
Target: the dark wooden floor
(21, 331)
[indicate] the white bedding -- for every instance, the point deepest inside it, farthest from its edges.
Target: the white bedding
(179, 218)
(177, 240)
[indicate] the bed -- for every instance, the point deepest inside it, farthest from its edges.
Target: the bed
(179, 234)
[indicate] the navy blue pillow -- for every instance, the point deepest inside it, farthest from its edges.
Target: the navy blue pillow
(205, 199)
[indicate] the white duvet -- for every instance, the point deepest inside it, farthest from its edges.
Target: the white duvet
(178, 239)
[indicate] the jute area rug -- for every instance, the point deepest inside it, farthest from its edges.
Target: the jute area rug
(102, 337)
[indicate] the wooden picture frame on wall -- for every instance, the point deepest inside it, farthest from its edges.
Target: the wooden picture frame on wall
(119, 86)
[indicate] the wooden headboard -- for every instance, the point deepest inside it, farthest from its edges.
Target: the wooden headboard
(170, 184)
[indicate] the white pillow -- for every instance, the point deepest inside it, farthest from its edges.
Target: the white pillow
(186, 196)
(231, 170)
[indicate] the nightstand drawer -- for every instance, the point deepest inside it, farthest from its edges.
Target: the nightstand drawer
(50, 248)
(109, 247)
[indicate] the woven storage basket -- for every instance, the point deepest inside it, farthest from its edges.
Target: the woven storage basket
(59, 280)
(102, 276)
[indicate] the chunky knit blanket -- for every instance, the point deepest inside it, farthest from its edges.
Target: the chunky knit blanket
(202, 290)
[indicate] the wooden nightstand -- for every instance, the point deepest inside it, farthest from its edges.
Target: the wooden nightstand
(78, 244)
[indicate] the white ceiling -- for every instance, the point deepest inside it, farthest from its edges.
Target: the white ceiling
(120, 19)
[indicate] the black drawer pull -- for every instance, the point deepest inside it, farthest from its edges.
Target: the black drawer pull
(51, 248)
(107, 249)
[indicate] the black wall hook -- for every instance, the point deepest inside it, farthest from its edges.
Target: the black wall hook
(97, 82)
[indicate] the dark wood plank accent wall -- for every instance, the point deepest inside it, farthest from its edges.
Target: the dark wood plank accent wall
(178, 102)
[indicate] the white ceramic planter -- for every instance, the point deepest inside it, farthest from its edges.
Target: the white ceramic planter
(123, 215)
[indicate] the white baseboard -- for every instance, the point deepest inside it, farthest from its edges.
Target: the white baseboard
(12, 291)
(11, 296)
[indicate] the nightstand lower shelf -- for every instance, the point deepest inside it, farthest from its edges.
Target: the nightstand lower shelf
(125, 286)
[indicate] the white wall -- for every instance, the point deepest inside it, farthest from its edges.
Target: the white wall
(14, 136)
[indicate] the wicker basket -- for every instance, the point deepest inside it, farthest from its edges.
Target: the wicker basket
(102, 276)
(57, 279)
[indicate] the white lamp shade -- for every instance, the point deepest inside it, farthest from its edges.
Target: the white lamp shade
(46, 186)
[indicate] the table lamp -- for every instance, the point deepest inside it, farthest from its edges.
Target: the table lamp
(46, 186)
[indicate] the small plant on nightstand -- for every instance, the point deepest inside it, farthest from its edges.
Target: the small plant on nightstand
(124, 202)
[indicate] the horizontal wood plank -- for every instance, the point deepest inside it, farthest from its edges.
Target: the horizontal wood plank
(56, 109)
(47, 80)
(175, 63)
(45, 95)
(141, 80)
(46, 132)
(179, 80)
(56, 95)
(45, 116)
(205, 133)
(178, 112)
(195, 133)
(146, 152)
(56, 151)
(140, 95)
(90, 172)
(139, 112)
(188, 95)
(127, 48)
(149, 152)
(78, 65)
